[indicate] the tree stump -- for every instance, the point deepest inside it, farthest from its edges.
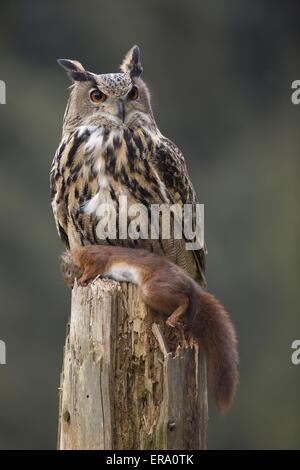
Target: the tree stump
(128, 381)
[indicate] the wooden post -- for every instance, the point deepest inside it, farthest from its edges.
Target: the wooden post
(128, 381)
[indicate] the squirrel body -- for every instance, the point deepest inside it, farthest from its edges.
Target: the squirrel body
(166, 288)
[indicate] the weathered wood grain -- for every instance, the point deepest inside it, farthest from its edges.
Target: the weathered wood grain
(128, 380)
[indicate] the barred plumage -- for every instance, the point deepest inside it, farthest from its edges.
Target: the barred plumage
(112, 148)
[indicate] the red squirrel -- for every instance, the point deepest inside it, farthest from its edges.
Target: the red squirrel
(168, 289)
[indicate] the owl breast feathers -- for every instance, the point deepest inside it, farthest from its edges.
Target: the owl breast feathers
(112, 151)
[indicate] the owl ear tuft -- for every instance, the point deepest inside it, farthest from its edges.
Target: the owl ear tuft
(74, 69)
(132, 62)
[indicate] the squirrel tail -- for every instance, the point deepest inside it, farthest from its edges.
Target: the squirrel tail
(211, 325)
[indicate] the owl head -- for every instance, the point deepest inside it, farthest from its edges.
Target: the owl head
(117, 99)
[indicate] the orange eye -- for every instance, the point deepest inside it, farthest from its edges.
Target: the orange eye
(134, 93)
(97, 96)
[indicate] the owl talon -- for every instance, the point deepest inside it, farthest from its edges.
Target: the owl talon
(83, 281)
(171, 323)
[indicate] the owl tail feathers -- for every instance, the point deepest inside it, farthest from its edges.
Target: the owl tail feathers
(211, 325)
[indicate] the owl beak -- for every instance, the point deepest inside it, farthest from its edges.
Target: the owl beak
(121, 110)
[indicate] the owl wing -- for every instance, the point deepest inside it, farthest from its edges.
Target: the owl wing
(171, 168)
(57, 202)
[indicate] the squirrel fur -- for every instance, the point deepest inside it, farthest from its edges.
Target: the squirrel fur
(166, 288)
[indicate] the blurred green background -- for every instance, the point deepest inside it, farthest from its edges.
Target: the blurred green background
(220, 75)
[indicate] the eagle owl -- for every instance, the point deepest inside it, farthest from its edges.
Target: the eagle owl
(112, 147)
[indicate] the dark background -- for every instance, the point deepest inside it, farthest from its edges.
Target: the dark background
(220, 75)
